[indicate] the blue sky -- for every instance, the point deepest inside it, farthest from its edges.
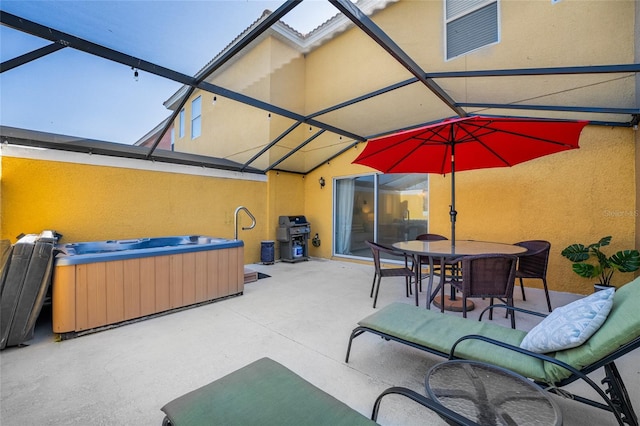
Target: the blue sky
(72, 93)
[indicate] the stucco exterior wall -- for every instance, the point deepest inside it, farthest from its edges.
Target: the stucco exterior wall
(285, 195)
(637, 134)
(89, 202)
(92, 203)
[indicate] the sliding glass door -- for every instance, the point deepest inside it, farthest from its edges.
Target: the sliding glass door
(354, 215)
(379, 207)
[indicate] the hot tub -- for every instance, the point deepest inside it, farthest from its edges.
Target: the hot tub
(105, 283)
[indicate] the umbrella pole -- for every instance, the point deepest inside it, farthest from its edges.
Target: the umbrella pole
(452, 208)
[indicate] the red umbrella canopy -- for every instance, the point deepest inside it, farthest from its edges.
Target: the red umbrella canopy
(478, 142)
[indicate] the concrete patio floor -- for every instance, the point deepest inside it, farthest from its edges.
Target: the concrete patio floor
(301, 316)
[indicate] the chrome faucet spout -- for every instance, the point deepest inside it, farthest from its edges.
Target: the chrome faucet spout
(235, 221)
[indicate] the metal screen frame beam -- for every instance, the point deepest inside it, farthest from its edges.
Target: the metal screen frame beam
(31, 56)
(596, 69)
(597, 110)
(296, 149)
(361, 20)
(271, 144)
(68, 40)
(228, 55)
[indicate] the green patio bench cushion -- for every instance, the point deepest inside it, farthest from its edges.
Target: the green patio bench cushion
(439, 332)
(261, 393)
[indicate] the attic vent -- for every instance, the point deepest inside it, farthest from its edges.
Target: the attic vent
(470, 25)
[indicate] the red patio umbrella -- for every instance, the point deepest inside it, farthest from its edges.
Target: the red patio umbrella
(468, 143)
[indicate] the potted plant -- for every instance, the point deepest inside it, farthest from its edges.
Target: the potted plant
(603, 267)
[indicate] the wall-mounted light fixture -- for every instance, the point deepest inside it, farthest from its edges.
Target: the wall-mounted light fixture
(215, 99)
(366, 209)
(322, 182)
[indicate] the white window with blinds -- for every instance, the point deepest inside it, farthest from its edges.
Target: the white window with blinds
(470, 25)
(181, 124)
(196, 117)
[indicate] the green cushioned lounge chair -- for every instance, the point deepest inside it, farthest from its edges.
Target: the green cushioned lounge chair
(454, 337)
(266, 393)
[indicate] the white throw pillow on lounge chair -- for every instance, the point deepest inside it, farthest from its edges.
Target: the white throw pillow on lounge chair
(570, 325)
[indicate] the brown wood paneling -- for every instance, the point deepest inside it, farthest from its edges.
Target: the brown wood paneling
(96, 294)
(240, 266)
(115, 291)
(131, 288)
(213, 292)
(163, 298)
(175, 285)
(93, 295)
(233, 272)
(200, 271)
(223, 272)
(82, 305)
(236, 271)
(147, 286)
(64, 299)
(188, 278)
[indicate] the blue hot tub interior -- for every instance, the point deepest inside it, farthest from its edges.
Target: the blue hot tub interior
(85, 252)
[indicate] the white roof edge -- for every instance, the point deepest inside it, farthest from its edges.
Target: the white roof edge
(304, 43)
(340, 23)
(48, 154)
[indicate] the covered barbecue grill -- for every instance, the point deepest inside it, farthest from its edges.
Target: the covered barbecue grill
(293, 234)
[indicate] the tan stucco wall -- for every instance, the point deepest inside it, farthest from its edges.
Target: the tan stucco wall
(93, 203)
(574, 196)
(271, 72)
(637, 134)
(417, 27)
(637, 209)
(88, 202)
(286, 195)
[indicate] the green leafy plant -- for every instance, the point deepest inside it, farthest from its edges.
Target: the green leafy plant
(603, 267)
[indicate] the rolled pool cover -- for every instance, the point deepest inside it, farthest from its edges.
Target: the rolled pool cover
(24, 287)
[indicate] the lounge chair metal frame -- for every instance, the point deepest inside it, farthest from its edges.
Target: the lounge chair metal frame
(446, 414)
(615, 394)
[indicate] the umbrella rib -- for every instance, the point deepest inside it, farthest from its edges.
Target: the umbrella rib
(390, 147)
(419, 139)
(473, 136)
(488, 148)
(412, 143)
(509, 132)
(446, 141)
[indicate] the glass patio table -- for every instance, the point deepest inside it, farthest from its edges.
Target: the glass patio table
(444, 249)
(491, 395)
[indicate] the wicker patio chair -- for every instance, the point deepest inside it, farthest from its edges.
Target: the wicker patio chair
(533, 264)
(452, 266)
(488, 275)
(380, 272)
